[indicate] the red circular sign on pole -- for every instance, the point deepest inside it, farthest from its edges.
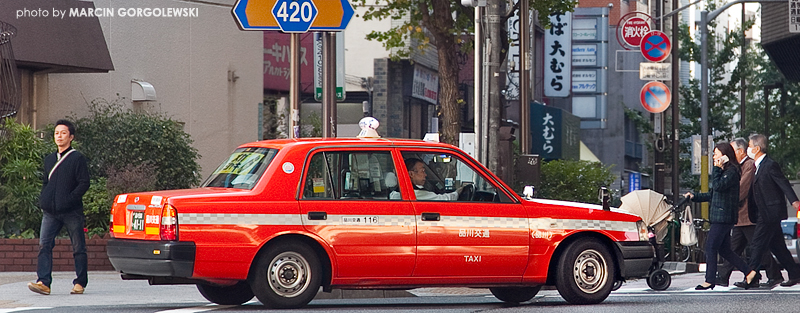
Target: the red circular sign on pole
(655, 46)
(655, 97)
(633, 30)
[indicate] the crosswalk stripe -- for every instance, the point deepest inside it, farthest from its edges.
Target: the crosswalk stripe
(24, 309)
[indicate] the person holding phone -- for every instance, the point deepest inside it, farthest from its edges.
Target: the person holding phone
(723, 214)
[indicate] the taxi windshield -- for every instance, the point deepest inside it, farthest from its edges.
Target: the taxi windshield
(242, 169)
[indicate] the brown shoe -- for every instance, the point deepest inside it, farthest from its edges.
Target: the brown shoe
(76, 290)
(39, 288)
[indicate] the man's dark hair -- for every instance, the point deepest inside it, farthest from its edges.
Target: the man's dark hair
(70, 126)
(410, 162)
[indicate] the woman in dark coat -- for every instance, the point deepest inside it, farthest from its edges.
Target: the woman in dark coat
(723, 214)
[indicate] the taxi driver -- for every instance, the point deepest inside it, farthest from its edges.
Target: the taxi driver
(416, 171)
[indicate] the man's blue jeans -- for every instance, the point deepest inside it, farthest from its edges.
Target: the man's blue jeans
(51, 226)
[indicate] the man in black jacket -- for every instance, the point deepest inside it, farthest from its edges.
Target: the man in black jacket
(66, 179)
(768, 207)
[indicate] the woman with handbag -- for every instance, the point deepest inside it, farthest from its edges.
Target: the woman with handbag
(723, 214)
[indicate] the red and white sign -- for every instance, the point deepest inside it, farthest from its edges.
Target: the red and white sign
(633, 30)
(655, 97)
(655, 46)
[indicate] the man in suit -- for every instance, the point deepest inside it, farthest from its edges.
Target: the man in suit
(744, 229)
(768, 208)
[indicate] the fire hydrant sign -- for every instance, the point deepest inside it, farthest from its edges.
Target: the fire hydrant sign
(634, 29)
(794, 16)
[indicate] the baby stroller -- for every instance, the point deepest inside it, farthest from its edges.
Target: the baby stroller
(654, 210)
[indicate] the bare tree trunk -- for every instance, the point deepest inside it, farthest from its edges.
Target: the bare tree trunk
(441, 24)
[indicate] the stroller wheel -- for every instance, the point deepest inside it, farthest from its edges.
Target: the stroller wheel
(617, 285)
(659, 280)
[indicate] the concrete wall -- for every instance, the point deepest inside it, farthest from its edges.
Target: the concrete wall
(188, 60)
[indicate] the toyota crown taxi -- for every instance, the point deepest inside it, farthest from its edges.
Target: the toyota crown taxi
(280, 219)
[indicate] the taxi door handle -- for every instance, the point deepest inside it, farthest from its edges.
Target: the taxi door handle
(431, 217)
(317, 215)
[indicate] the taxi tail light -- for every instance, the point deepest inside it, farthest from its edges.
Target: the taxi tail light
(169, 223)
(111, 221)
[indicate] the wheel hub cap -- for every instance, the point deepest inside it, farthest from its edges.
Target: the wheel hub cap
(289, 274)
(590, 271)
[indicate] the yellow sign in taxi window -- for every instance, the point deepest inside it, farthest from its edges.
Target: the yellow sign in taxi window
(242, 162)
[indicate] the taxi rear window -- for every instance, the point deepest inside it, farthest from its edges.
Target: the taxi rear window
(242, 169)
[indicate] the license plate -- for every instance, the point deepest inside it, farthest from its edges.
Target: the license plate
(137, 221)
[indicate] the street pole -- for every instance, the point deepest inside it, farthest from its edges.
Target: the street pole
(329, 85)
(294, 86)
(704, 109)
(524, 77)
(676, 113)
(477, 98)
(494, 18)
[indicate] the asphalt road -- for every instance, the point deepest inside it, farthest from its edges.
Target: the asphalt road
(107, 293)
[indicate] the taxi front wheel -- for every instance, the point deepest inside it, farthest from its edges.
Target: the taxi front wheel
(585, 272)
(287, 276)
(228, 295)
(515, 294)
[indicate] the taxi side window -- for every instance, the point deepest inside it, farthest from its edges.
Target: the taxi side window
(449, 178)
(351, 175)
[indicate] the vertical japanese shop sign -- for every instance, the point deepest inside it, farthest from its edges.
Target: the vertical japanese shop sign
(554, 132)
(558, 55)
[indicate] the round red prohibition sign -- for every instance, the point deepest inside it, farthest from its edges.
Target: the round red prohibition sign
(655, 97)
(655, 46)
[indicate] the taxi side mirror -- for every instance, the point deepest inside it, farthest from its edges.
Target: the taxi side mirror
(604, 196)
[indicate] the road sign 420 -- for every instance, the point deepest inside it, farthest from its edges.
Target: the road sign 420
(295, 11)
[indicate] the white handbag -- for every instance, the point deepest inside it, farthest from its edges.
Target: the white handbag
(688, 233)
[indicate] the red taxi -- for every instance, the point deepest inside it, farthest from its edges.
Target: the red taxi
(280, 219)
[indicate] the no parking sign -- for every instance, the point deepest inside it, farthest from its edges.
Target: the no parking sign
(655, 46)
(655, 97)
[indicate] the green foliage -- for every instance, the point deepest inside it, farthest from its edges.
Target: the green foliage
(573, 180)
(21, 155)
(97, 207)
(113, 137)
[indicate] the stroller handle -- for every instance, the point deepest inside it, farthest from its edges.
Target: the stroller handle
(676, 207)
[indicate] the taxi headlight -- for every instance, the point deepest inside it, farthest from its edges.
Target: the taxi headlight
(643, 236)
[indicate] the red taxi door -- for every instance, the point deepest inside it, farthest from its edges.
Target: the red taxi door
(351, 199)
(483, 239)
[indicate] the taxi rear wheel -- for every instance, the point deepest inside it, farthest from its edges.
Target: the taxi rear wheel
(228, 295)
(585, 274)
(515, 294)
(287, 276)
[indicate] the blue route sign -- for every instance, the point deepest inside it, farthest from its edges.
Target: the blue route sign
(655, 46)
(294, 16)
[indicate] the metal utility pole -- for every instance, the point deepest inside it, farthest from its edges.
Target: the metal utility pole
(676, 112)
(294, 86)
(478, 84)
(494, 21)
(329, 85)
(742, 62)
(524, 77)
